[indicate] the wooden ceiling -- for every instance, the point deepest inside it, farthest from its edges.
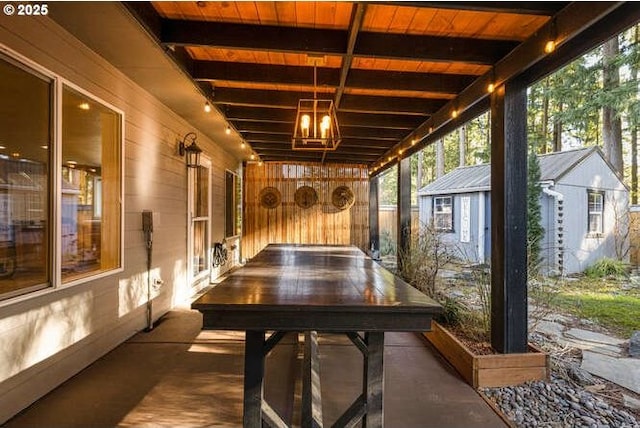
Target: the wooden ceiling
(389, 66)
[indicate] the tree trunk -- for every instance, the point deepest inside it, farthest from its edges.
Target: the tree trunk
(611, 122)
(419, 177)
(462, 134)
(439, 158)
(545, 116)
(557, 132)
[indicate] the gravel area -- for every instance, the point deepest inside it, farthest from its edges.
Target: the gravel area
(557, 404)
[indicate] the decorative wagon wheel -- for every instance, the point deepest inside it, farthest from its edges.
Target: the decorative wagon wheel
(270, 197)
(306, 197)
(342, 197)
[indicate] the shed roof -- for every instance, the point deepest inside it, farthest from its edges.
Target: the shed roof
(477, 178)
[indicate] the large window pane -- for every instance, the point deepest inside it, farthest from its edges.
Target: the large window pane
(91, 134)
(25, 140)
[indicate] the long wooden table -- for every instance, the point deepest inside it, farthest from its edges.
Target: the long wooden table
(310, 288)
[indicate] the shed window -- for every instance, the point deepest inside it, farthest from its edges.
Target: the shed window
(443, 213)
(595, 211)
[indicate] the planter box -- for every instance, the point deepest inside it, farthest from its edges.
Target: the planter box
(489, 370)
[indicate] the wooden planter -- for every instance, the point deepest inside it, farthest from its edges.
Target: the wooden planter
(489, 370)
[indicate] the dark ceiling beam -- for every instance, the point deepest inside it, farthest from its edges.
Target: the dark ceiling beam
(520, 8)
(369, 120)
(379, 120)
(351, 102)
(399, 105)
(301, 154)
(254, 37)
(354, 27)
(263, 73)
(284, 147)
(345, 131)
(332, 42)
(432, 48)
(360, 79)
(258, 138)
(407, 81)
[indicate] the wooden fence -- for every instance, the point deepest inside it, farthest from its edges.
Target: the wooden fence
(288, 222)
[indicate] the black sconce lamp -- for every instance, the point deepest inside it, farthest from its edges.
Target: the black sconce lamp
(192, 150)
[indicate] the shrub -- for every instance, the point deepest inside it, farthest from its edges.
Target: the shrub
(606, 267)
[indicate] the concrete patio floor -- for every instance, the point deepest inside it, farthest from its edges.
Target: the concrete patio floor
(180, 376)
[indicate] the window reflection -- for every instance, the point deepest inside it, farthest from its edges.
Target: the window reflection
(90, 186)
(25, 131)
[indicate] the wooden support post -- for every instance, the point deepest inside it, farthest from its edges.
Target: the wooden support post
(311, 392)
(404, 209)
(253, 378)
(509, 218)
(374, 227)
(373, 380)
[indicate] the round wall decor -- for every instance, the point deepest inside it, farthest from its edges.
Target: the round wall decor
(306, 197)
(342, 197)
(270, 197)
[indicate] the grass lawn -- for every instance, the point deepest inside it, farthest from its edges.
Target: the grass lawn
(602, 301)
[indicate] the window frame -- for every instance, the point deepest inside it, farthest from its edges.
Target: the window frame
(54, 263)
(433, 207)
(234, 204)
(58, 168)
(590, 233)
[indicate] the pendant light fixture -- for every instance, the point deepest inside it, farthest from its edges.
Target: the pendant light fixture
(316, 126)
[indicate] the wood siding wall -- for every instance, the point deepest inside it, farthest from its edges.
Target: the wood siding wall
(52, 335)
(288, 223)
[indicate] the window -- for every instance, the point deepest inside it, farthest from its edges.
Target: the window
(233, 205)
(443, 213)
(595, 210)
(26, 99)
(90, 186)
(199, 208)
(71, 203)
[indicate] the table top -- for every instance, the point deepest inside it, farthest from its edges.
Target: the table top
(316, 287)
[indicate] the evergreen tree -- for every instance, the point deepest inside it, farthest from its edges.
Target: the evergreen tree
(535, 231)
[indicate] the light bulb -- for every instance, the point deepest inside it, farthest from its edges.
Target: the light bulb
(243, 145)
(324, 126)
(454, 114)
(305, 122)
(253, 156)
(207, 107)
(491, 87)
(550, 46)
(228, 130)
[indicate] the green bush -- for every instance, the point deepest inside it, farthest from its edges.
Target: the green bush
(606, 267)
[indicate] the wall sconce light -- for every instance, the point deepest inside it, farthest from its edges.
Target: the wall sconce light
(192, 151)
